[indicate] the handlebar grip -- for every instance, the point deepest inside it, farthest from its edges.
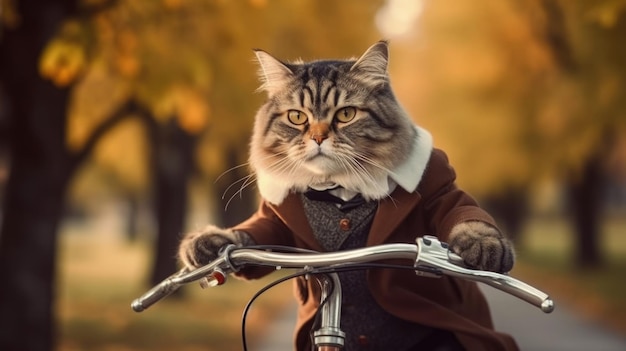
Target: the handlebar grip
(142, 303)
(151, 297)
(154, 295)
(523, 291)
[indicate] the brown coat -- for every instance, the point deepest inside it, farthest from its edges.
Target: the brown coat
(434, 208)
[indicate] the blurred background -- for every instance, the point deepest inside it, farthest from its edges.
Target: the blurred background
(126, 123)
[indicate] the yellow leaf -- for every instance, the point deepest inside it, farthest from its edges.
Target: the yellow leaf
(193, 113)
(127, 41)
(94, 99)
(173, 4)
(62, 62)
(164, 107)
(124, 152)
(258, 3)
(127, 65)
(9, 15)
(185, 104)
(607, 13)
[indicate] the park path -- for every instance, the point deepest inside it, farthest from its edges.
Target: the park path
(562, 330)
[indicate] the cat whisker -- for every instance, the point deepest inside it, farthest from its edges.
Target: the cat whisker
(393, 201)
(360, 172)
(251, 178)
(230, 170)
(248, 180)
(245, 182)
(294, 166)
(366, 175)
(281, 165)
(242, 179)
(357, 170)
(373, 163)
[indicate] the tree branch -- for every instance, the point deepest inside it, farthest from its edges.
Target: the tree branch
(556, 36)
(131, 108)
(90, 10)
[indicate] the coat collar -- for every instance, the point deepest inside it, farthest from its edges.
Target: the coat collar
(390, 213)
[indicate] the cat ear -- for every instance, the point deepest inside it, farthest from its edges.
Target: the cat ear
(272, 73)
(373, 63)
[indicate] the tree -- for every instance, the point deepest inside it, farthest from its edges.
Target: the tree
(595, 31)
(162, 57)
(172, 162)
(35, 185)
(40, 170)
(520, 92)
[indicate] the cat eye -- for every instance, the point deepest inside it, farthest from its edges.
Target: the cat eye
(296, 117)
(346, 114)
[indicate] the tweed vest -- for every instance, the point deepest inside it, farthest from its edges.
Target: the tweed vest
(367, 325)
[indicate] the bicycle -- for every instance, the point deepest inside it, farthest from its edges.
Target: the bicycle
(429, 256)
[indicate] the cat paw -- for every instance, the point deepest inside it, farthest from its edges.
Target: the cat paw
(201, 247)
(482, 246)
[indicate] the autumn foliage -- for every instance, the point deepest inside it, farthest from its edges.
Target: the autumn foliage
(131, 101)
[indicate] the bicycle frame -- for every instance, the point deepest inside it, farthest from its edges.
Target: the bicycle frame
(429, 257)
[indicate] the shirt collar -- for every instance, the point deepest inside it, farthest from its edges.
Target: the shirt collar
(409, 174)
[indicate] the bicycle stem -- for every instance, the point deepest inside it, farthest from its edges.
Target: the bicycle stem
(330, 337)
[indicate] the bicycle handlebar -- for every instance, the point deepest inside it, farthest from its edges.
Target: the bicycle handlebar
(430, 257)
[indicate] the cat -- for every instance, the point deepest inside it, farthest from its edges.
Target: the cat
(332, 144)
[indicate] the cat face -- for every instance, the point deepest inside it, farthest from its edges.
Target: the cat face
(328, 122)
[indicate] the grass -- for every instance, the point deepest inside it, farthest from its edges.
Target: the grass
(100, 276)
(545, 259)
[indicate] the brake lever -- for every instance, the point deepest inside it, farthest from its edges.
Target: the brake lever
(435, 259)
(438, 253)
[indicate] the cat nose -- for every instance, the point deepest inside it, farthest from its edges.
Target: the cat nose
(319, 138)
(319, 132)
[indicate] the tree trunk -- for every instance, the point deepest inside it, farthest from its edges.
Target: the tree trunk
(38, 177)
(132, 220)
(33, 207)
(586, 209)
(40, 170)
(510, 209)
(173, 165)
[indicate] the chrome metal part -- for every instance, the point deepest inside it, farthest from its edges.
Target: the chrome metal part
(330, 334)
(324, 259)
(430, 257)
(433, 256)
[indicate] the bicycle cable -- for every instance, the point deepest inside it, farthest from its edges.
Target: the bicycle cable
(270, 285)
(345, 267)
(257, 295)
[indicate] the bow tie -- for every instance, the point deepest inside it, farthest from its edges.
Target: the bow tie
(326, 196)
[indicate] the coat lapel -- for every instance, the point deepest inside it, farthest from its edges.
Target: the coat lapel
(291, 212)
(391, 212)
